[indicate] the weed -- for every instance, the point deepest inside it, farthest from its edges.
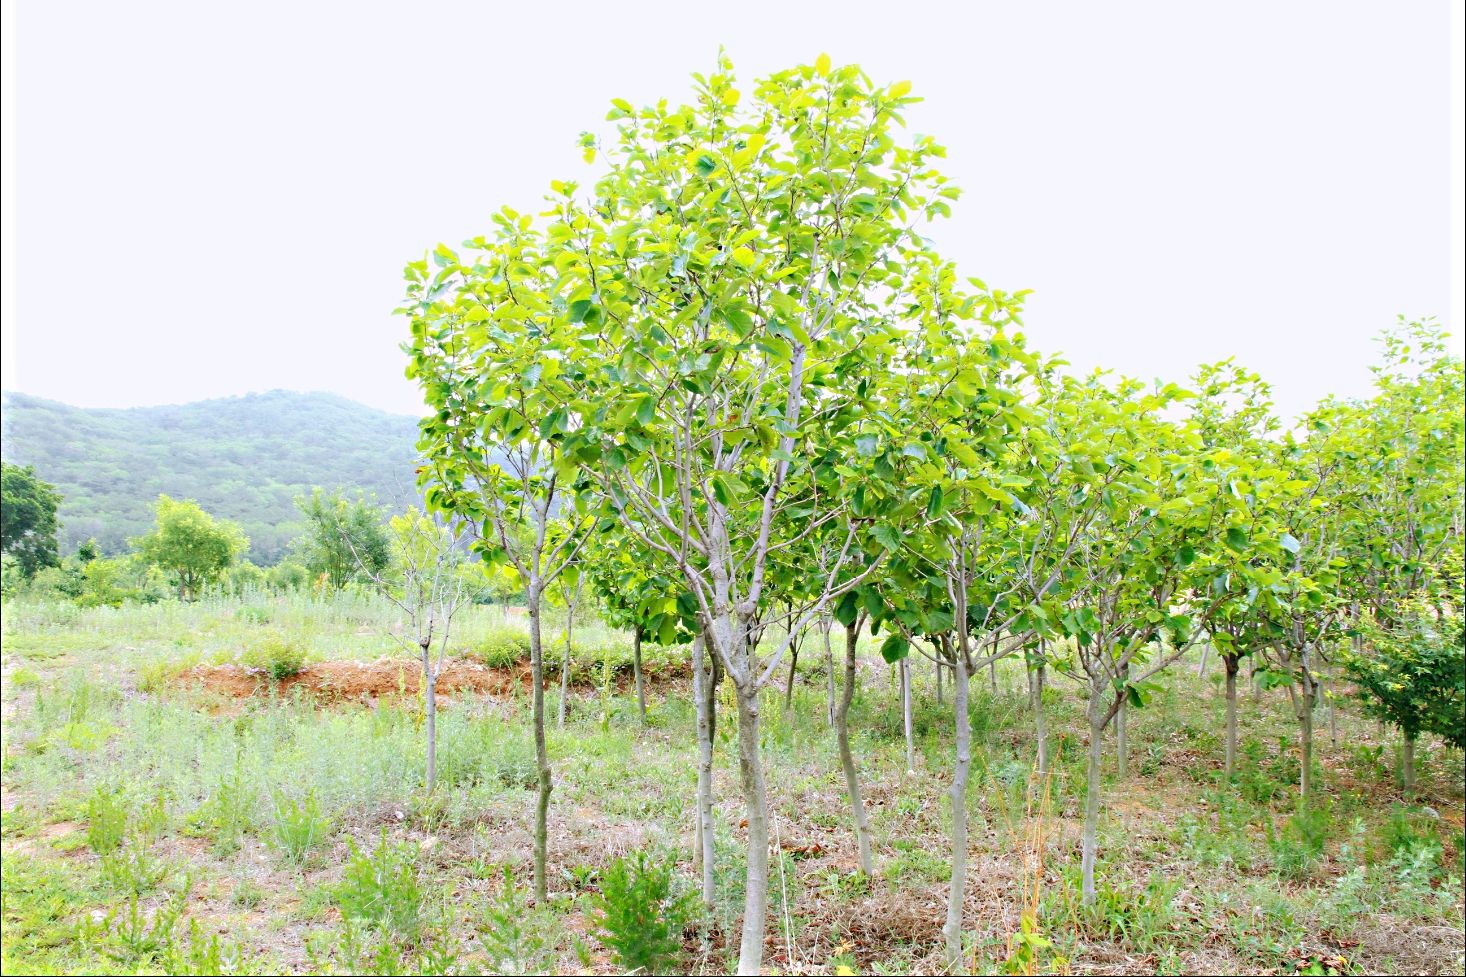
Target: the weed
(299, 826)
(278, 657)
(639, 914)
(107, 816)
(381, 887)
(1299, 847)
(514, 940)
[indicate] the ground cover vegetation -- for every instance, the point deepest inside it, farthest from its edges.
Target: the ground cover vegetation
(775, 606)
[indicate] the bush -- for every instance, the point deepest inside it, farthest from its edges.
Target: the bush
(1300, 846)
(487, 753)
(277, 657)
(502, 648)
(382, 887)
(639, 916)
(107, 817)
(299, 826)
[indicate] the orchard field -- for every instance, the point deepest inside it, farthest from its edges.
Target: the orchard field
(246, 834)
(773, 605)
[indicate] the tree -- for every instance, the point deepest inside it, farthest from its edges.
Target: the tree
(490, 351)
(741, 282)
(191, 544)
(343, 537)
(429, 585)
(1414, 676)
(27, 518)
(1134, 596)
(1404, 489)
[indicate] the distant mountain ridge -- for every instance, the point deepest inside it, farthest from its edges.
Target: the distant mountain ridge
(245, 458)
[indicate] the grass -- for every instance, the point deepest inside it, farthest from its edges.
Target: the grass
(147, 827)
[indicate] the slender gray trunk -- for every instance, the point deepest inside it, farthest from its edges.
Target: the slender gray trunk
(847, 758)
(993, 676)
(430, 707)
(756, 810)
(957, 891)
(702, 694)
(1040, 717)
(1122, 733)
(564, 678)
(940, 668)
(1305, 731)
(1233, 664)
(906, 714)
(1092, 791)
(541, 751)
(1407, 763)
(789, 683)
(636, 672)
(829, 677)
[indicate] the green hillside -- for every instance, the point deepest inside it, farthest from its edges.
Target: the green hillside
(245, 458)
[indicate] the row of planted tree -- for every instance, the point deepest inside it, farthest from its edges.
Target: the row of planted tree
(733, 380)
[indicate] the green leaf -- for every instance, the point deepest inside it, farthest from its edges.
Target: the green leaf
(888, 536)
(934, 502)
(847, 609)
(895, 648)
(1290, 543)
(1237, 538)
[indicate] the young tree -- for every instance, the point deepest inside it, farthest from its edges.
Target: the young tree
(1135, 595)
(739, 279)
(1404, 492)
(28, 518)
(1414, 676)
(428, 582)
(191, 544)
(1232, 413)
(343, 537)
(491, 351)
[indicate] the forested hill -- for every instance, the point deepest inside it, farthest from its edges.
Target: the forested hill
(244, 458)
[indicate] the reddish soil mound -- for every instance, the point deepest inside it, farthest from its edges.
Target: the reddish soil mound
(384, 677)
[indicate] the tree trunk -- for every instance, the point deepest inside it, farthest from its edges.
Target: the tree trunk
(1233, 664)
(636, 672)
(993, 676)
(829, 677)
(1040, 717)
(541, 751)
(1305, 731)
(906, 714)
(1092, 792)
(702, 693)
(1407, 763)
(756, 809)
(940, 668)
(789, 684)
(430, 707)
(847, 759)
(1122, 734)
(565, 668)
(957, 891)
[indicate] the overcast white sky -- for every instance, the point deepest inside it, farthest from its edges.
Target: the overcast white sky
(205, 199)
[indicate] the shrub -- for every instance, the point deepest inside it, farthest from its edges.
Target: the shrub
(381, 887)
(229, 811)
(299, 826)
(502, 648)
(639, 916)
(278, 657)
(106, 820)
(513, 939)
(487, 753)
(1300, 846)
